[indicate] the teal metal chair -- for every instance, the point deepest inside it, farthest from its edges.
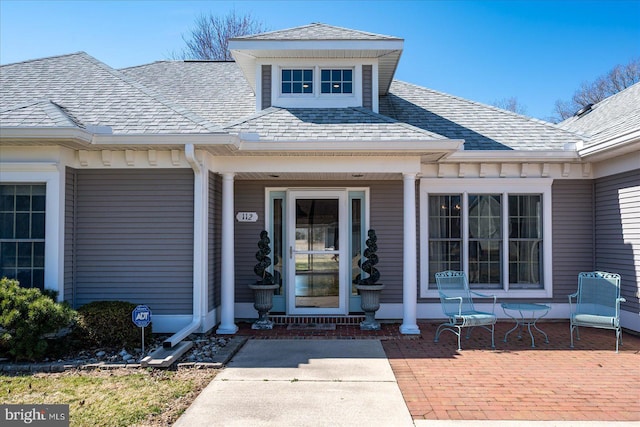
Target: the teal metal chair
(597, 303)
(457, 304)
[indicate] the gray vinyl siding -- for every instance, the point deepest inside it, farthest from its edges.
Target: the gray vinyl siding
(215, 244)
(134, 238)
(386, 201)
(573, 238)
(69, 234)
(617, 220)
(266, 86)
(367, 87)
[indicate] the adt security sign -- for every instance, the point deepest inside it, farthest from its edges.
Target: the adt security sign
(141, 316)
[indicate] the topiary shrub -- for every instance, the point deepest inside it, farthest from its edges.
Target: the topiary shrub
(26, 315)
(109, 324)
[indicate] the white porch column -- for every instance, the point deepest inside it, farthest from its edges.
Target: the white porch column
(227, 312)
(410, 268)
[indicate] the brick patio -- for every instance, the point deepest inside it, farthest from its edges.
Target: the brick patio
(514, 382)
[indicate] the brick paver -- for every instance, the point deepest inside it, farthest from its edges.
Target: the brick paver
(513, 382)
(516, 382)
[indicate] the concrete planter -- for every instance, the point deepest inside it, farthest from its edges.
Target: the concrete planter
(263, 302)
(370, 303)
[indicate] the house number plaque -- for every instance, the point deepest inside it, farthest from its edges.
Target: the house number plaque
(247, 216)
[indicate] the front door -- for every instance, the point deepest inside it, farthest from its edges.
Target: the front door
(317, 252)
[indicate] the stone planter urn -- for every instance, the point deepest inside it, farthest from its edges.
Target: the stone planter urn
(369, 290)
(264, 288)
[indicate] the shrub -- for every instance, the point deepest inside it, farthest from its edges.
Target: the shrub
(26, 315)
(109, 324)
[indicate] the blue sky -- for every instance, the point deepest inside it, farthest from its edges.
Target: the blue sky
(537, 51)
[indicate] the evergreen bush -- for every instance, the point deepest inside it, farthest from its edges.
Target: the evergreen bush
(109, 324)
(26, 315)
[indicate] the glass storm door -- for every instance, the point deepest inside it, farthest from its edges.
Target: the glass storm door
(317, 261)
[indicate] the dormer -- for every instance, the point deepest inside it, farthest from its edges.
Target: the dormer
(317, 66)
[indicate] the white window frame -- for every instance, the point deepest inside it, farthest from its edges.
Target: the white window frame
(467, 186)
(303, 69)
(319, 70)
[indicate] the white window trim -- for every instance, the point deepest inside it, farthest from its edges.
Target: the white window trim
(336, 95)
(489, 186)
(297, 95)
(53, 178)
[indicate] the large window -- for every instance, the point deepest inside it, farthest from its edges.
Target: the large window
(297, 81)
(22, 233)
(498, 239)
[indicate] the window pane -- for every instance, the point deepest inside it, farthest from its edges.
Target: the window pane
(308, 75)
(38, 254)
(38, 278)
(336, 75)
(22, 225)
(297, 75)
(24, 277)
(346, 88)
(336, 88)
(485, 242)
(7, 198)
(347, 75)
(286, 75)
(307, 88)
(525, 241)
(326, 88)
(444, 234)
(325, 75)
(276, 239)
(286, 87)
(37, 226)
(8, 254)
(6, 225)
(297, 88)
(25, 257)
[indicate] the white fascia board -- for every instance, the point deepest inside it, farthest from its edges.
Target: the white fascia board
(613, 147)
(75, 134)
(512, 155)
(311, 164)
(284, 45)
(417, 147)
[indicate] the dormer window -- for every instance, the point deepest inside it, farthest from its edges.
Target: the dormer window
(336, 81)
(297, 81)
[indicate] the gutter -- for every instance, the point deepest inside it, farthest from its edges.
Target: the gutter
(196, 322)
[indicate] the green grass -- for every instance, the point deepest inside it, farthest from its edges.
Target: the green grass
(108, 398)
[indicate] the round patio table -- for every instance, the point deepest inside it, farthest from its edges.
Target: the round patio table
(526, 314)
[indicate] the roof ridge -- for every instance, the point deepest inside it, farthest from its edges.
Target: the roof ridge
(261, 113)
(497, 109)
(79, 53)
(184, 112)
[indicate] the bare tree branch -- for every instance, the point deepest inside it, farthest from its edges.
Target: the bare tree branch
(209, 38)
(619, 78)
(510, 104)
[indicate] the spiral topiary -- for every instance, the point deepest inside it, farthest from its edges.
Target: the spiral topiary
(372, 259)
(264, 261)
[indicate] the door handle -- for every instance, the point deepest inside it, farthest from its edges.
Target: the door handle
(290, 252)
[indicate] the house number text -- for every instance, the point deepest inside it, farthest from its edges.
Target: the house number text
(247, 216)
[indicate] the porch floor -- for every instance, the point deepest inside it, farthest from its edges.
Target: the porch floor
(550, 382)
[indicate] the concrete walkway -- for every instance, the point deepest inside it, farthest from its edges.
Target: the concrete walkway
(302, 383)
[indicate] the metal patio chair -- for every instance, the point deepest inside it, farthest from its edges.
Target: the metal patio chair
(597, 303)
(457, 304)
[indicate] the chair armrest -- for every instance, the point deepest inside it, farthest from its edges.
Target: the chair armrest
(495, 299)
(444, 297)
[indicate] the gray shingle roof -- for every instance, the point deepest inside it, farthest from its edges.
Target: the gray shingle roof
(202, 97)
(317, 31)
(616, 115)
(37, 113)
(339, 124)
(94, 94)
(214, 90)
(483, 127)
